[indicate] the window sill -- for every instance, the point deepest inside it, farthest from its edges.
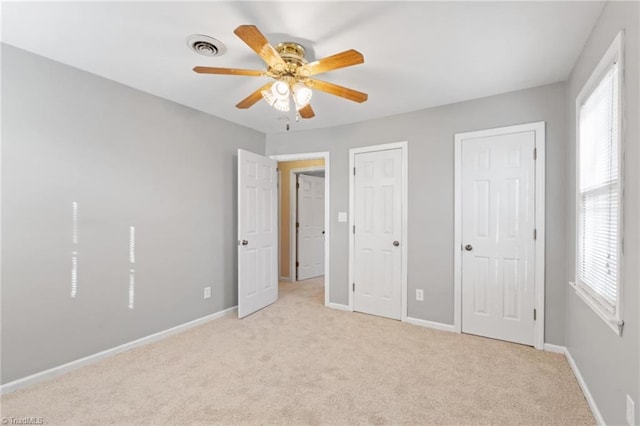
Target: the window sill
(615, 324)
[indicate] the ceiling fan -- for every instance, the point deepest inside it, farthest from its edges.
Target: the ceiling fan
(291, 73)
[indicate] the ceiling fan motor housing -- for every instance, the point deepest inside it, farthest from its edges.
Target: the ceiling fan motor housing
(293, 55)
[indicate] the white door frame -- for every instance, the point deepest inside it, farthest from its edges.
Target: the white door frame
(403, 145)
(327, 216)
(539, 131)
(293, 216)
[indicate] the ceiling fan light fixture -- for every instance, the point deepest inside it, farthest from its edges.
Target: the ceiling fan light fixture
(281, 105)
(288, 68)
(275, 101)
(301, 95)
(280, 90)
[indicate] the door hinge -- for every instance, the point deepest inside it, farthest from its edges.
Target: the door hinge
(354, 229)
(297, 184)
(354, 171)
(535, 234)
(535, 314)
(297, 264)
(353, 287)
(297, 224)
(535, 154)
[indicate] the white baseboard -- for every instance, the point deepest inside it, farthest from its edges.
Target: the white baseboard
(338, 306)
(91, 359)
(583, 385)
(431, 324)
(554, 348)
(585, 390)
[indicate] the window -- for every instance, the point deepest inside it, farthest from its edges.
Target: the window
(599, 188)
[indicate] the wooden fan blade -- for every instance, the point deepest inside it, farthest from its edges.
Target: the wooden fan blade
(228, 71)
(250, 100)
(334, 62)
(251, 35)
(334, 89)
(307, 112)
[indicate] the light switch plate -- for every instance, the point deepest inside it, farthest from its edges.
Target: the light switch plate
(207, 292)
(342, 216)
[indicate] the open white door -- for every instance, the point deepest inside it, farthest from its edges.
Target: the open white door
(310, 226)
(257, 232)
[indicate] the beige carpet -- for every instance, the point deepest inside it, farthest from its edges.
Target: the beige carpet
(297, 362)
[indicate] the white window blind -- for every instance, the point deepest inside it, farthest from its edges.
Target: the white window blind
(599, 191)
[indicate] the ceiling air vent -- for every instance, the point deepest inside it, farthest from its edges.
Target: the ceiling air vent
(205, 45)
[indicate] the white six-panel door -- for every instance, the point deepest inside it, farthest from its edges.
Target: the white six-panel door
(378, 230)
(498, 246)
(257, 232)
(310, 226)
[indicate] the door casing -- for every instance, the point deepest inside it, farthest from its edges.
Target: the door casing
(539, 130)
(403, 145)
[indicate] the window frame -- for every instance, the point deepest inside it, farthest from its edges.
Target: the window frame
(613, 54)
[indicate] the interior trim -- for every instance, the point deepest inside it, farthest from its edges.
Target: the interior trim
(92, 359)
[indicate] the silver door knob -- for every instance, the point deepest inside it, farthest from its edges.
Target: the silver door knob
(468, 247)
(245, 242)
(396, 243)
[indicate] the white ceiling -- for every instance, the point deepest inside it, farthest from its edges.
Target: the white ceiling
(417, 54)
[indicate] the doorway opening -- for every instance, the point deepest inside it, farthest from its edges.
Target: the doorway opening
(304, 218)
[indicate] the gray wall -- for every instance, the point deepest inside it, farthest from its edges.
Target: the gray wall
(430, 135)
(127, 158)
(608, 363)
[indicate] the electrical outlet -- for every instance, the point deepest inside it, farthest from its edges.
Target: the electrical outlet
(207, 292)
(630, 411)
(420, 295)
